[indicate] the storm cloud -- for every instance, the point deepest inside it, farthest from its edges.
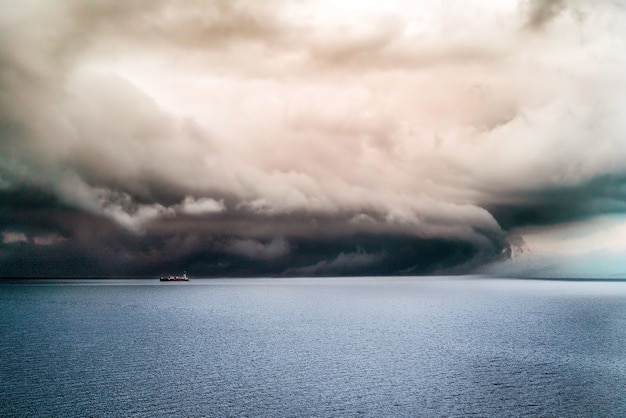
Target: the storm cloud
(302, 138)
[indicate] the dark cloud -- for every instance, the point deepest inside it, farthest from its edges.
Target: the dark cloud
(541, 12)
(43, 237)
(603, 195)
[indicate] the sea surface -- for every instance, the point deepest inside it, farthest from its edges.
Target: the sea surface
(328, 347)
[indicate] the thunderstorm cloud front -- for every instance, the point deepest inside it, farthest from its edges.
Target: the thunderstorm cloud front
(312, 138)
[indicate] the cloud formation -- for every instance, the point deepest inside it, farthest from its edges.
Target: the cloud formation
(276, 248)
(12, 237)
(342, 264)
(244, 137)
(201, 206)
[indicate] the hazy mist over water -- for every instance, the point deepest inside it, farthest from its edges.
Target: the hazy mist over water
(406, 346)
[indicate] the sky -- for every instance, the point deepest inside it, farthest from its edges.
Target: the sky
(312, 137)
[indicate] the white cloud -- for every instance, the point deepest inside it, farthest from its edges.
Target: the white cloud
(201, 206)
(117, 206)
(9, 237)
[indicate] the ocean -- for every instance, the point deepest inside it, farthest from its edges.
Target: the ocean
(325, 347)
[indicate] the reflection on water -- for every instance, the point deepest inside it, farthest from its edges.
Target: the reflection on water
(313, 347)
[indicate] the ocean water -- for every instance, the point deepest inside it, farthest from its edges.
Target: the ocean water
(313, 348)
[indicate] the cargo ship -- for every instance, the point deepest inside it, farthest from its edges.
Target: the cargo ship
(172, 278)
